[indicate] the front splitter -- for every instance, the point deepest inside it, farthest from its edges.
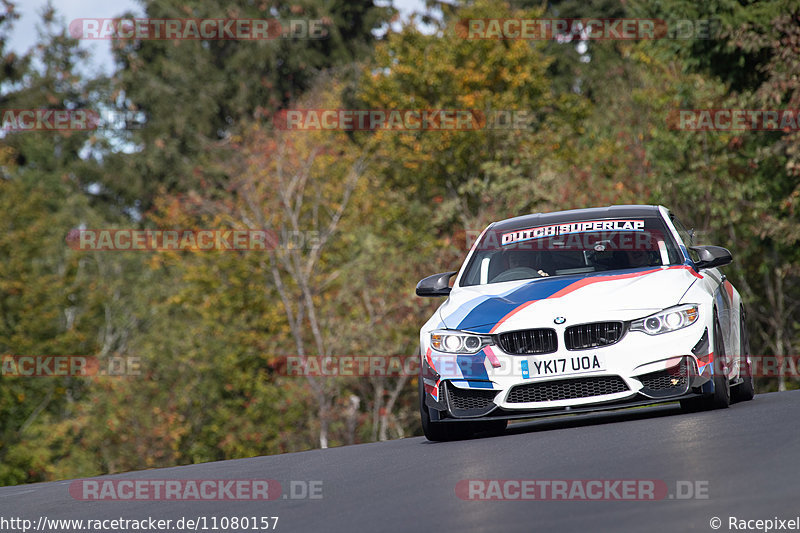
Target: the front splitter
(638, 401)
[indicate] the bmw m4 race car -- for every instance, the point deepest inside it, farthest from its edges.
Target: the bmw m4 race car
(577, 311)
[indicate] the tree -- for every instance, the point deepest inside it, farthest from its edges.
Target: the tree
(463, 170)
(47, 298)
(195, 92)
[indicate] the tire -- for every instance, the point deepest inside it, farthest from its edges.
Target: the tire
(744, 391)
(721, 398)
(441, 431)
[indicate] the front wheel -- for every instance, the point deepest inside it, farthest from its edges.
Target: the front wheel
(745, 390)
(721, 398)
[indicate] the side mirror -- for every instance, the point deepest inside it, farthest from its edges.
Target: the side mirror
(712, 256)
(436, 285)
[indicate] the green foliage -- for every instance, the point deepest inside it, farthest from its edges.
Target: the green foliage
(209, 329)
(195, 93)
(47, 302)
(723, 53)
(476, 175)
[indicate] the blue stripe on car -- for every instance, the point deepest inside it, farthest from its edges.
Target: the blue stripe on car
(488, 311)
(472, 367)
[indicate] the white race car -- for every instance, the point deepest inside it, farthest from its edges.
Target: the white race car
(577, 311)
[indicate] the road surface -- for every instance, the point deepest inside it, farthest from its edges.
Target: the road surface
(742, 462)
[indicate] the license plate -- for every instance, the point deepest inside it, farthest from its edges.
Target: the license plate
(556, 366)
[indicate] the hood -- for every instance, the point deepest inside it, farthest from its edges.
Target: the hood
(481, 308)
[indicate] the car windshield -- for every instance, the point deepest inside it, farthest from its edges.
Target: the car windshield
(579, 247)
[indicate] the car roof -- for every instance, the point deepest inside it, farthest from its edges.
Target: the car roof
(576, 215)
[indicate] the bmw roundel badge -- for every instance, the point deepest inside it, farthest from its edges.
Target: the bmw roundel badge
(560, 320)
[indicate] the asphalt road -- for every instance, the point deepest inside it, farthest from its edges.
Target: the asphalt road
(745, 460)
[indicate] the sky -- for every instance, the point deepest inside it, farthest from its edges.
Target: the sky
(24, 34)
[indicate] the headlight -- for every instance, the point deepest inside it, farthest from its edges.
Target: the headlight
(667, 320)
(452, 341)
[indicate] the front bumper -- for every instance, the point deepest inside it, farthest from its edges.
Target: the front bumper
(637, 369)
(675, 381)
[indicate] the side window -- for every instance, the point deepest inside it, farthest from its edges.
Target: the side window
(686, 237)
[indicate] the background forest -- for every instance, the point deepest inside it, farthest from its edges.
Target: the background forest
(362, 216)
